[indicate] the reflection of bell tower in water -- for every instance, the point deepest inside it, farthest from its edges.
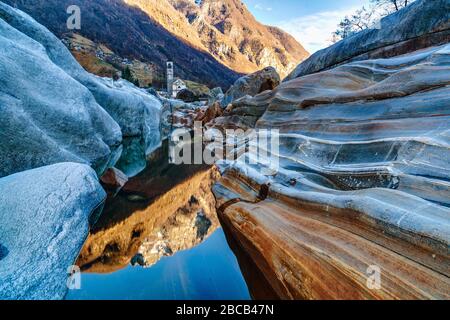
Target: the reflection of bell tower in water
(169, 79)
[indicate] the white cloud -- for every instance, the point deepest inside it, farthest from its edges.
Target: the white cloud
(315, 31)
(259, 6)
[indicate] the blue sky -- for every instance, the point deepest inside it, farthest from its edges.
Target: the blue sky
(310, 21)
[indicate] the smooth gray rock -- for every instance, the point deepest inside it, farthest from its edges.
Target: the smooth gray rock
(422, 24)
(44, 216)
(214, 95)
(45, 115)
(136, 111)
(251, 85)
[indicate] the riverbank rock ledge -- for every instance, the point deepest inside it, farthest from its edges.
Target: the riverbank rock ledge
(359, 187)
(62, 112)
(44, 216)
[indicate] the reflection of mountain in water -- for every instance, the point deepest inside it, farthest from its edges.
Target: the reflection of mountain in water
(185, 229)
(163, 210)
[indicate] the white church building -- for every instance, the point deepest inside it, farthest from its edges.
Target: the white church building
(177, 86)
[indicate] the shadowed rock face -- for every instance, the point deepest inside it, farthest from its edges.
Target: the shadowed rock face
(43, 226)
(187, 95)
(363, 181)
(422, 24)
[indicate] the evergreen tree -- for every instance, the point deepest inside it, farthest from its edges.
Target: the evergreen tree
(127, 75)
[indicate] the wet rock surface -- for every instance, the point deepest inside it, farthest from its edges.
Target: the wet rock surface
(113, 180)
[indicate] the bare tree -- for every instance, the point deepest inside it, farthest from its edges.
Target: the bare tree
(360, 20)
(395, 5)
(366, 17)
(391, 6)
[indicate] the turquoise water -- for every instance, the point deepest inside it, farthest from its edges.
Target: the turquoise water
(208, 271)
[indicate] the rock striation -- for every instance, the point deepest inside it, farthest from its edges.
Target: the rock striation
(362, 181)
(43, 226)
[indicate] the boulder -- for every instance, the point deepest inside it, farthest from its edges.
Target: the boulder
(135, 111)
(113, 180)
(46, 116)
(210, 114)
(252, 84)
(44, 216)
(358, 182)
(215, 95)
(420, 25)
(187, 95)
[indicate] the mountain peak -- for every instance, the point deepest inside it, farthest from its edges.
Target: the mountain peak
(230, 33)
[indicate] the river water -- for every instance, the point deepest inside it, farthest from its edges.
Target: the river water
(160, 238)
(207, 271)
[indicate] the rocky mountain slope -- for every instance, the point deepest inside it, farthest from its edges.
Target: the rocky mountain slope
(359, 182)
(221, 38)
(231, 34)
(133, 34)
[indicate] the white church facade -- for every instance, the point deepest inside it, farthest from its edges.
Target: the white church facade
(177, 86)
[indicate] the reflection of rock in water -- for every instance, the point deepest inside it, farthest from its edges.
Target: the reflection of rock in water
(163, 210)
(202, 223)
(185, 229)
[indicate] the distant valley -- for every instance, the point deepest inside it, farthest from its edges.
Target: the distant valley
(211, 42)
